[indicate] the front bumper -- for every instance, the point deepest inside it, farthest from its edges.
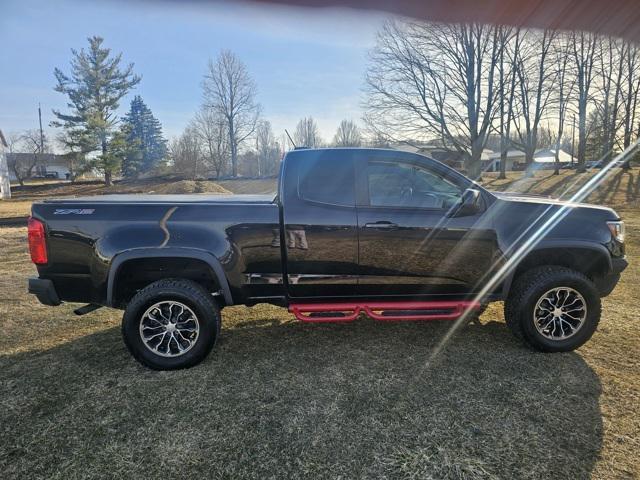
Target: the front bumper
(607, 283)
(619, 264)
(45, 291)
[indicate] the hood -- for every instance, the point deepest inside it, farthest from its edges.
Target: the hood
(543, 200)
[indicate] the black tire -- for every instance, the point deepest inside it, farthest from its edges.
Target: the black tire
(186, 292)
(529, 287)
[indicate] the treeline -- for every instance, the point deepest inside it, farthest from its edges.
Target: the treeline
(227, 137)
(461, 85)
(93, 136)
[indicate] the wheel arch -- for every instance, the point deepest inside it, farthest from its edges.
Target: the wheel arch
(591, 259)
(120, 261)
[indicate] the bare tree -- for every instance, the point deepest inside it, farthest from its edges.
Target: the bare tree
(583, 54)
(632, 89)
(230, 91)
(506, 95)
(211, 129)
(185, 153)
(436, 80)
(267, 149)
(25, 153)
(457, 86)
(307, 133)
(612, 54)
(536, 82)
(347, 135)
(13, 142)
(565, 85)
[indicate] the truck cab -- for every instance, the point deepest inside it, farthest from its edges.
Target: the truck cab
(379, 223)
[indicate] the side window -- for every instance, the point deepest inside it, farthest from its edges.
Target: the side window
(396, 184)
(327, 179)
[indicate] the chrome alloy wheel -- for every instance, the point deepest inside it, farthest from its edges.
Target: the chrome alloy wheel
(169, 329)
(560, 313)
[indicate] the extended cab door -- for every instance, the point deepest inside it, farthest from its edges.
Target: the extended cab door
(320, 234)
(409, 242)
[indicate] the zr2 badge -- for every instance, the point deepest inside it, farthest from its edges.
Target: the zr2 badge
(74, 211)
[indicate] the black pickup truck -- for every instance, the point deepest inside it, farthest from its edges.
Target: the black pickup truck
(389, 234)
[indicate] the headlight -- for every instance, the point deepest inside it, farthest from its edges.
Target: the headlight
(617, 230)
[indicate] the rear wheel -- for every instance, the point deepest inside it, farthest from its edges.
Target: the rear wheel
(553, 309)
(171, 324)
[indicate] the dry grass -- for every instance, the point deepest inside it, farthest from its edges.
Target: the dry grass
(15, 208)
(280, 399)
(257, 186)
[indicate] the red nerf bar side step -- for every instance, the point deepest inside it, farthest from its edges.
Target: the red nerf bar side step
(383, 311)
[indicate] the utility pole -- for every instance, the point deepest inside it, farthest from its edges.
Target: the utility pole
(41, 137)
(41, 132)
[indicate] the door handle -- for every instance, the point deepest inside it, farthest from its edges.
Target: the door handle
(382, 225)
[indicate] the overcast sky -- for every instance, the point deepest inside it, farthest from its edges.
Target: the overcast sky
(304, 62)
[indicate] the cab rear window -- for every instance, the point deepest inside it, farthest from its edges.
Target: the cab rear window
(327, 179)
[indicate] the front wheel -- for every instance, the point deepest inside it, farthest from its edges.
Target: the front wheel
(171, 324)
(553, 309)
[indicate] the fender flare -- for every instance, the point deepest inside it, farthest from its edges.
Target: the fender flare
(120, 258)
(596, 248)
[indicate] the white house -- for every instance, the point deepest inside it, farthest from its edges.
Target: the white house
(5, 184)
(48, 165)
(515, 158)
(546, 157)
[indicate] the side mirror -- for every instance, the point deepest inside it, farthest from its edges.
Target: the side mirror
(469, 204)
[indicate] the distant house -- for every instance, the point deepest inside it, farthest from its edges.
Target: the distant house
(48, 165)
(516, 160)
(452, 158)
(449, 156)
(546, 158)
(490, 161)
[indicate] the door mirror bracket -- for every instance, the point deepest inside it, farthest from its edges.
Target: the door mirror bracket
(469, 204)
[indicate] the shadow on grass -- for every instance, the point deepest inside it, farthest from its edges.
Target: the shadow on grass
(633, 188)
(288, 400)
(608, 191)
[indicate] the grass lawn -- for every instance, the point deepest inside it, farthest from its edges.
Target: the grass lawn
(15, 208)
(22, 197)
(281, 399)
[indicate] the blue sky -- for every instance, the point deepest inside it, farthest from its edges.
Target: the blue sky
(305, 62)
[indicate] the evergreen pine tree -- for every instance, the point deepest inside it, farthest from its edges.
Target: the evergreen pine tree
(147, 146)
(94, 89)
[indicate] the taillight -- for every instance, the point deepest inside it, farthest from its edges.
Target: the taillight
(37, 241)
